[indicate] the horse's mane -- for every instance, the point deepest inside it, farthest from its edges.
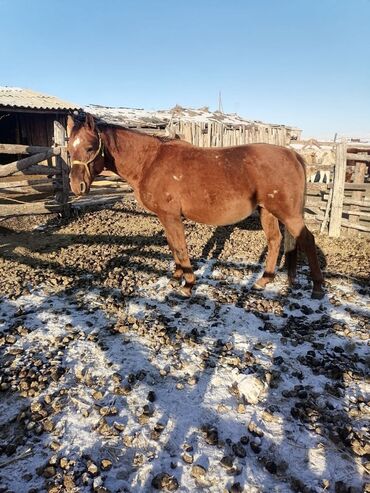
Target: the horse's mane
(103, 125)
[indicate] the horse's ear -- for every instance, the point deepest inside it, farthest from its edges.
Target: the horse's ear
(70, 125)
(90, 122)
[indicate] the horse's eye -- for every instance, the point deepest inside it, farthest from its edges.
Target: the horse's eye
(89, 149)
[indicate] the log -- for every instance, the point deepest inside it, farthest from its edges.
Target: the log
(23, 149)
(22, 164)
(21, 181)
(84, 202)
(338, 190)
(37, 170)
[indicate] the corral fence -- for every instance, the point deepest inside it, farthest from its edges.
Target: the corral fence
(338, 192)
(37, 183)
(338, 189)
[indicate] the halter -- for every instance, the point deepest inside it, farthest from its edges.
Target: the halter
(86, 163)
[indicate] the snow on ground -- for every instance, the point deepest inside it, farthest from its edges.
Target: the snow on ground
(218, 387)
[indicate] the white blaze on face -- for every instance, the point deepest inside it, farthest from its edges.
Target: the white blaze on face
(76, 142)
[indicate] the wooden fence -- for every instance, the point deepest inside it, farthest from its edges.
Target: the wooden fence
(217, 134)
(39, 183)
(341, 206)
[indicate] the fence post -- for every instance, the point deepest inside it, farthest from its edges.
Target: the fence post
(338, 190)
(62, 193)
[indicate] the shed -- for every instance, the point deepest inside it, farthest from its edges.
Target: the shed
(27, 117)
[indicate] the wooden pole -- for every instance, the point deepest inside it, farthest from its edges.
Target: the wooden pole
(338, 190)
(22, 149)
(62, 179)
(11, 168)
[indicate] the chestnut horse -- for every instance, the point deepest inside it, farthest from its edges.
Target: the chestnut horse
(216, 186)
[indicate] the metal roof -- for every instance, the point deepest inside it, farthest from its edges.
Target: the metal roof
(16, 97)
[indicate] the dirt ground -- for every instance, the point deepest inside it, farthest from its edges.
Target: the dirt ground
(109, 382)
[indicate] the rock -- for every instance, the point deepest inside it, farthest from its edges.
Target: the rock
(92, 468)
(255, 446)
(241, 408)
(271, 467)
(151, 396)
(105, 464)
(236, 488)
(164, 481)
(49, 472)
(198, 472)
(251, 388)
(188, 458)
(211, 436)
(239, 450)
(227, 462)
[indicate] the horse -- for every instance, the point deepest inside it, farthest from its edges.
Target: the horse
(216, 186)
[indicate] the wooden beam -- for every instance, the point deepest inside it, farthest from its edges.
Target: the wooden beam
(352, 156)
(37, 170)
(23, 149)
(338, 190)
(61, 165)
(22, 164)
(31, 208)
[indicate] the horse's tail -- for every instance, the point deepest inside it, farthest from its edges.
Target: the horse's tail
(290, 243)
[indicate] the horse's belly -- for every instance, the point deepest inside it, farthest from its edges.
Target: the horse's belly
(220, 214)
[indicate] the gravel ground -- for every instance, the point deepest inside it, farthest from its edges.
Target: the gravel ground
(109, 382)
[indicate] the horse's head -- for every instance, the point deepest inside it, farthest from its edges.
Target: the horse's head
(86, 151)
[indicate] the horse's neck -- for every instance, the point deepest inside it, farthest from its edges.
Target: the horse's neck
(129, 153)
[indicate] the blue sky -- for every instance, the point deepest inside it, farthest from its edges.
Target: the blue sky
(302, 62)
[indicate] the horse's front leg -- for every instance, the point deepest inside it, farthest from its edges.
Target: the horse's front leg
(176, 240)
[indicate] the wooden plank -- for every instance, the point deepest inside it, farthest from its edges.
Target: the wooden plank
(327, 212)
(352, 156)
(354, 186)
(22, 149)
(338, 190)
(22, 164)
(360, 227)
(358, 178)
(24, 209)
(20, 190)
(61, 164)
(358, 213)
(360, 203)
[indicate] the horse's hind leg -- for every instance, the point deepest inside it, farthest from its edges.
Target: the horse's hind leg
(306, 243)
(270, 226)
(176, 240)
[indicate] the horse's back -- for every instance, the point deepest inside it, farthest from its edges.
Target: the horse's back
(221, 185)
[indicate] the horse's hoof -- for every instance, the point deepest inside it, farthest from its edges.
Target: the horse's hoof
(182, 294)
(317, 295)
(258, 287)
(173, 282)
